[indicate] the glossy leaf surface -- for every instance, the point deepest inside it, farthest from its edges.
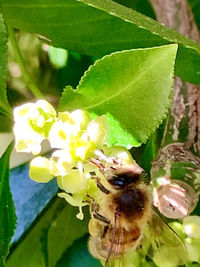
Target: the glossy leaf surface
(128, 87)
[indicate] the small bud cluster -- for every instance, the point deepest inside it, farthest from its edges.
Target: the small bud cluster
(189, 231)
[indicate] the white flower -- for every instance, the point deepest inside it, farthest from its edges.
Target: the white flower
(62, 134)
(32, 124)
(80, 117)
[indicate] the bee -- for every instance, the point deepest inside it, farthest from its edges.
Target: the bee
(124, 213)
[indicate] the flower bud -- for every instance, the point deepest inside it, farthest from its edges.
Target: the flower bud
(73, 182)
(39, 170)
(191, 225)
(97, 130)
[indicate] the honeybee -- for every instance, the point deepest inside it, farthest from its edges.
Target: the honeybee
(125, 213)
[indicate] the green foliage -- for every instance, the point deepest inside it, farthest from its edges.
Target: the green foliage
(7, 210)
(143, 6)
(131, 86)
(98, 27)
(149, 153)
(53, 233)
(4, 106)
(78, 255)
(195, 6)
(128, 86)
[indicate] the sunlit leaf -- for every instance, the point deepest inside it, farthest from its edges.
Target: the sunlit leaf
(128, 86)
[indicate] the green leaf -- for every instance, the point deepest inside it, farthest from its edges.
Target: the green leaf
(119, 135)
(143, 6)
(6, 124)
(51, 235)
(149, 153)
(4, 106)
(78, 255)
(76, 66)
(195, 6)
(99, 27)
(7, 210)
(128, 86)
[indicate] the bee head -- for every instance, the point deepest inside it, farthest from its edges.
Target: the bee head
(125, 175)
(120, 181)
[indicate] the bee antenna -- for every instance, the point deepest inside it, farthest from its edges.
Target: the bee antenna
(101, 155)
(98, 163)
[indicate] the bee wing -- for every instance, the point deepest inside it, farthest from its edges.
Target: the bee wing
(163, 243)
(117, 240)
(115, 257)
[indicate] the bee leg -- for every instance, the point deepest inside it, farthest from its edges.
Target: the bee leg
(93, 204)
(102, 187)
(99, 184)
(100, 218)
(94, 211)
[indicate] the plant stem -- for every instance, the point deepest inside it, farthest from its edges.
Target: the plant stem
(178, 160)
(183, 121)
(36, 92)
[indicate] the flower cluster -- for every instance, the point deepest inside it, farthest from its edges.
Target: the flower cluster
(75, 139)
